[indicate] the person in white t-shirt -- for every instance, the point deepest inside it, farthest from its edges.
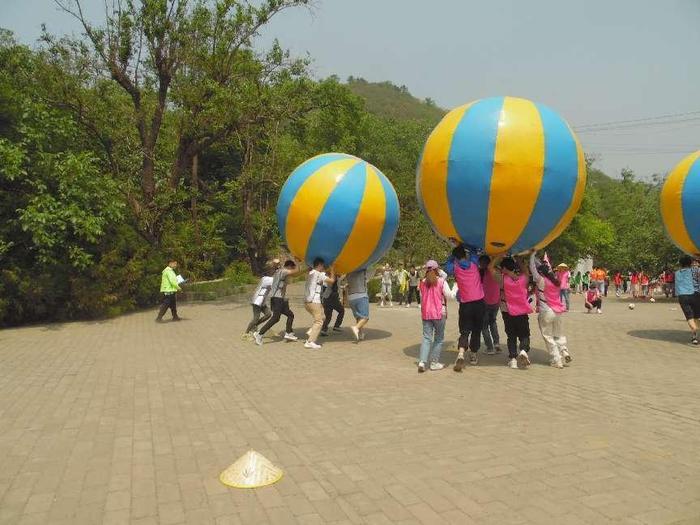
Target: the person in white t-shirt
(315, 280)
(279, 302)
(387, 276)
(260, 300)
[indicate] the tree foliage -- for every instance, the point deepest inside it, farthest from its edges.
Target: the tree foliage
(164, 131)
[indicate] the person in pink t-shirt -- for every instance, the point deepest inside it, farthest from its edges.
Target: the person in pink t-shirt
(464, 265)
(515, 308)
(434, 291)
(492, 298)
(564, 275)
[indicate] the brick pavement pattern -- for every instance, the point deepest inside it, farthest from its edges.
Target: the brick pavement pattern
(129, 421)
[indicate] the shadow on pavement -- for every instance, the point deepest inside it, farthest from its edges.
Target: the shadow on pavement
(449, 354)
(675, 336)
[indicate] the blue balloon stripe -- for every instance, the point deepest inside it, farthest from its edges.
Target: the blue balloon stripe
(470, 166)
(340, 213)
(690, 196)
(558, 182)
(391, 222)
(295, 181)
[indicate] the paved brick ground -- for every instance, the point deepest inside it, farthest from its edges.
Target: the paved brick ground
(126, 421)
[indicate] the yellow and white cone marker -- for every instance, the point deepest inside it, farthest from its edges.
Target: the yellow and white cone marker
(250, 471)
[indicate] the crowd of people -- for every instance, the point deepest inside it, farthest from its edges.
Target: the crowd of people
(517, 287)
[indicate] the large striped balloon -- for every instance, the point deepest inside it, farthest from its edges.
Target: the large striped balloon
(502, 174)
(340, 208)
(680, 204)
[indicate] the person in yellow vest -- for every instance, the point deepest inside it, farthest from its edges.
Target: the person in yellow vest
(169, 288)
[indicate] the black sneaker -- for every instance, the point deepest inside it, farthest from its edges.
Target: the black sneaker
(324, 333)
(337, 329)
(177, 318)
(695, 341)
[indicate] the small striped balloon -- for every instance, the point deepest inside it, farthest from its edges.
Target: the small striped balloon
(340, 208)
(680, 204)
(501, 174)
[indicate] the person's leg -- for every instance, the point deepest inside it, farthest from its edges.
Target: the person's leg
(560, 338)
(410, 295)
(266, 314)
(567, 299)
(418, 295)
(338, 307)
(438, 340)
(276, 305)
(477, 313)
(289, 328)
(510, 335)
(545, 320)
(523, 331)
(428, 332)
(486, 331)
(328, 315)
(463, 342)
(493, 326)
(255, 320)
(316, 311)
(173, 306)
(164, 305)
(360, 309)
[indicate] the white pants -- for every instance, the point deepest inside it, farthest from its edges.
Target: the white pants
(550, 326)
(386, 292)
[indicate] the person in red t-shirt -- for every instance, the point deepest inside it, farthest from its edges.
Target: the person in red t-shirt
(618, 283)
(635, 284)
(669, 283)
(644, 282)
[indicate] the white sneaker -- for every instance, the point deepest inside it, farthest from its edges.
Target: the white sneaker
(408, 306)
(258, 338)
(523, 359)
(567, 356)
(436, 366)
(355, 332)
(599, 311)
(513, 363)
(459, 363)
(289, 336)
(491, 351)
(312, 345)
(421, 367)
(391, 305)
(556, 363)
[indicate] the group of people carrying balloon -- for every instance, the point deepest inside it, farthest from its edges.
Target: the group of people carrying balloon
(483, 287)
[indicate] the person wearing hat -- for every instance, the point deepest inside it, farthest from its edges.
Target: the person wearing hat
(435, 291)
(563, 274)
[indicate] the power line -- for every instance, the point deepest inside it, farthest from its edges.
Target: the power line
(684, 116)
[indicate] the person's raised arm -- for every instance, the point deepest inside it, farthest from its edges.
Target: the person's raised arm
(533, 267)
(330, 278)
(522, 263)
(493, 265)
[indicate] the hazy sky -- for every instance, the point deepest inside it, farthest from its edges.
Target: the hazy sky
(594, 61)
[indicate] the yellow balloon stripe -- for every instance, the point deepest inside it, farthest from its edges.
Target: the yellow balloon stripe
(672, 206)
(309, 202)
(518, 168)
(436, 162)
(575, 202)
(368, 226)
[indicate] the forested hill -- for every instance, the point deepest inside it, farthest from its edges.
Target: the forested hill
(390, 101)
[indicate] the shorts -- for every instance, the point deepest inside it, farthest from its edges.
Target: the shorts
(690, 304)
(360, 307)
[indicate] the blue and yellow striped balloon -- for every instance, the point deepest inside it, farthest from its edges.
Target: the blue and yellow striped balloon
(680, 204)
(340, 208)
(501, 174)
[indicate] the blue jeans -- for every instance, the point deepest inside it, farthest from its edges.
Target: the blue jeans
(433, 335)
(564, 296)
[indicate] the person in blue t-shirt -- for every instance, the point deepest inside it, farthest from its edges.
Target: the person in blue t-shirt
(687, 281)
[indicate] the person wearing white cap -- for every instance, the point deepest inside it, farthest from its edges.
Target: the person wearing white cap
(435, 291)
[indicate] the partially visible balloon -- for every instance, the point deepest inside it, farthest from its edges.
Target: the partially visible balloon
(340, 208)
(501, 174)
(680, 204)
